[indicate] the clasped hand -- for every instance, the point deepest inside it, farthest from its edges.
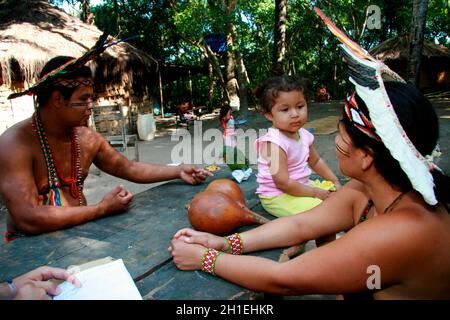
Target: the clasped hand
(188, 246)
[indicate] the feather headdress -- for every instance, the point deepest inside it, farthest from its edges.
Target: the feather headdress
(367, 74)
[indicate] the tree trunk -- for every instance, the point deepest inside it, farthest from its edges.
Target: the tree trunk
(210, 56)
(216, 67)
(117, 17)
(211, 85)
(161, 96)
(279, 42)
(85, 12)
(416, 40)
(191, 98)
(232, 85)
(242, 76)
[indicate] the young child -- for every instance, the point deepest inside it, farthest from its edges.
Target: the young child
(233, 157)
(286, 154)
(228, 123)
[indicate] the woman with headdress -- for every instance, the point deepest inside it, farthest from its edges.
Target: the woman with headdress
(397, 245)
(394, 211)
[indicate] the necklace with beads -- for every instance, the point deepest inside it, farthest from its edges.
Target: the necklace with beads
(394, 203)
(389, 208)
(55, 177)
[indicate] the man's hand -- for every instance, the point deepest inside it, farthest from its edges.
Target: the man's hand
(34, 285)
(115, 201)
(193, 175)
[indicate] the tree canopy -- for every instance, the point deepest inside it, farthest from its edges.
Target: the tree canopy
(173, 31)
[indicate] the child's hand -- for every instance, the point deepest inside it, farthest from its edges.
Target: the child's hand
(337, 185)
(322, 194)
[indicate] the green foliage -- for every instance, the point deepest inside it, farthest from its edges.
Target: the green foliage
(438, 22)
(234, 158)
(173, 29)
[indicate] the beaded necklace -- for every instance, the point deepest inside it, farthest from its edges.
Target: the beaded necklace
(55, 176)
(389, 208)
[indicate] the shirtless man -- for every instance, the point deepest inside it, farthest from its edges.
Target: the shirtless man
(46, 158)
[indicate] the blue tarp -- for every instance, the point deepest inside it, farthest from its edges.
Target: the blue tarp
(217, 42)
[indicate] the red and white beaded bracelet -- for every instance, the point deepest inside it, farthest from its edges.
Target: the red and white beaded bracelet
(235, 243)
(209, 260)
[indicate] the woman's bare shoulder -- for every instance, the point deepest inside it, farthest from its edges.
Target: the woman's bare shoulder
(413, 226)
(356, 186)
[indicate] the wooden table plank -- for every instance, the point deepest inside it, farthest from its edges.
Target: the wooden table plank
(169, 283)
(140, 237)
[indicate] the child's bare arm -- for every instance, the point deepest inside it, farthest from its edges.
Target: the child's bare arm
(277, 161)
(321, 168)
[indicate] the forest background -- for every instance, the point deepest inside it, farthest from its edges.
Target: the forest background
(263, 37)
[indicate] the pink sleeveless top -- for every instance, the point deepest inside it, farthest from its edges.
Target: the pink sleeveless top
(297, 152)
(229, 133)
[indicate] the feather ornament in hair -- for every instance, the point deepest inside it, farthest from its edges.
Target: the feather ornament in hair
(367, 74)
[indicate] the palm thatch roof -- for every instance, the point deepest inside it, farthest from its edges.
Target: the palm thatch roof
(33, 31)
(397, 48)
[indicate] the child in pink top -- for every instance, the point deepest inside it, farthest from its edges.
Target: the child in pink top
(286, 154)
(233, 157)
(229, 130)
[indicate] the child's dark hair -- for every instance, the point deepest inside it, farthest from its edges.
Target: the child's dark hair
(223, 111)
(44, 94)
(420, 122)
(268, 91)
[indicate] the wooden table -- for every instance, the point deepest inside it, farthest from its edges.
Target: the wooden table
(140, 237)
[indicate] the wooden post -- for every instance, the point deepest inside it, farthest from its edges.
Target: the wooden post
(161, 98)
(190, 87)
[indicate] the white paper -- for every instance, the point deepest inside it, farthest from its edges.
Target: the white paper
(110, 281)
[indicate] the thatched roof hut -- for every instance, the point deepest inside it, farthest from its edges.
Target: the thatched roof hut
(33, 31)
(435, 67)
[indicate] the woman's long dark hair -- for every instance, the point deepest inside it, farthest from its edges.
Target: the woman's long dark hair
(420, 122)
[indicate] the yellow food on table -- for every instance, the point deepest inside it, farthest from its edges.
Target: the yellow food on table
(212, 168)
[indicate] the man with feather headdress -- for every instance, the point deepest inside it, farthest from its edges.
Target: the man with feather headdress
(46, 158)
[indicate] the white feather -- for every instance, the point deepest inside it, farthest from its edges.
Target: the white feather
(389, 129)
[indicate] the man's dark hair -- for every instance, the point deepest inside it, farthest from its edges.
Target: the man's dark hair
(43, 94)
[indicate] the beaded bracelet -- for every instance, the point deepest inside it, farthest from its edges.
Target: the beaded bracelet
(209, 260)
(235, 243)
